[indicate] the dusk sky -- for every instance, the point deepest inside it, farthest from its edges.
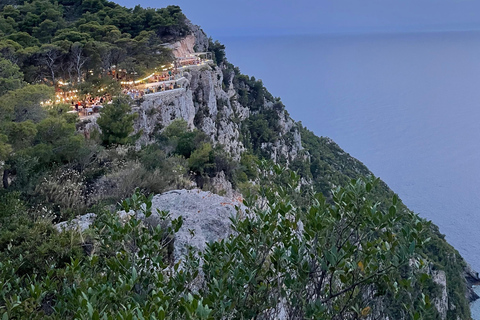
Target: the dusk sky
(220, 18)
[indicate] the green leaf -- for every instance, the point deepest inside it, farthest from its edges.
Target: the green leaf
(392, 210)
(368, 187)
(395, 199)
(411, 248)
(419, 226)
(90, 309)
(134, 274)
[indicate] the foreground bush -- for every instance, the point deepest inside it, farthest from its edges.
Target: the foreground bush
(331, 261)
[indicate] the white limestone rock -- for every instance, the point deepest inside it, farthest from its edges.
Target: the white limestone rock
(206, 217)
(208, 104)
(183, 47)
(207, 214)
(81, 223)
(441, 301)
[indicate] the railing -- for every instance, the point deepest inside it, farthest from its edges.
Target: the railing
(182, 67)
(155, 87)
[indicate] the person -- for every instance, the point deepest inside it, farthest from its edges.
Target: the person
(76, 106)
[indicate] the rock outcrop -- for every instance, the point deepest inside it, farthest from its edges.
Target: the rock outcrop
(206, 217)
(201, 39)
(80, 223)
(207, 104)
(472, 278)
(197, 41)
(183, 47)
(441, 301)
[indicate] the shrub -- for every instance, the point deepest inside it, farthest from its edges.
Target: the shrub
(116, 122)
(28, 241)
(168, 173)
(178, 139)
(330, 261)
(65, 190)
(200, 160)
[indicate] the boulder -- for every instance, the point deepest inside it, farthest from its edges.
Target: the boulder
(81, 223)
(206, 217)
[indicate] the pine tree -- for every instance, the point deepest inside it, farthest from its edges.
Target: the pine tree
(116, 122)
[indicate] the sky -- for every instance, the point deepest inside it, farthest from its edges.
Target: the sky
(221, 18)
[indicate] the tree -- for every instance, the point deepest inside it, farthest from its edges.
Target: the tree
(19, 109)
(78, 59)
(116, 122)
(9, 50)
(72, 36)
(7, 25)
(5, 148)
(21, 134)
(24, 39)
(10, 76)
(56, 142)
(24, 103)
(218, 50)
(50, 55)
(105, 52)
(201, 159)
(45, 30)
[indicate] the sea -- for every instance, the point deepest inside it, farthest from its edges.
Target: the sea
(406, 105)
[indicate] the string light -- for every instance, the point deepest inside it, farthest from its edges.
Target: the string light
(137, 81)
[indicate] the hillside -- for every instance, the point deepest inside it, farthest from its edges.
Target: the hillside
(179, 115)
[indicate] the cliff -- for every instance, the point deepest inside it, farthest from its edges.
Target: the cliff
(325, 240)
(238, 113)
(209, 102)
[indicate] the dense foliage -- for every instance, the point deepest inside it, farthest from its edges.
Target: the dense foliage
(52, 40)
(326, 166)
(116, 122)
(304, 263)
(311, 249)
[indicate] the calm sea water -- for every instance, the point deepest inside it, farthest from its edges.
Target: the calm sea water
(406, 105)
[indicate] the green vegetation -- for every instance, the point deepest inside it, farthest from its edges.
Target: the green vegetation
(49, 40)
(123, 269)
(319, 242)
(218, 50)
(326, 166)
(116, 122)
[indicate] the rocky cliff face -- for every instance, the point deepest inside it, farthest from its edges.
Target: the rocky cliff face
(197, 41)
(473, 279)
(209, 100)
(222, 103)
(441, 301)
(207, 104)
